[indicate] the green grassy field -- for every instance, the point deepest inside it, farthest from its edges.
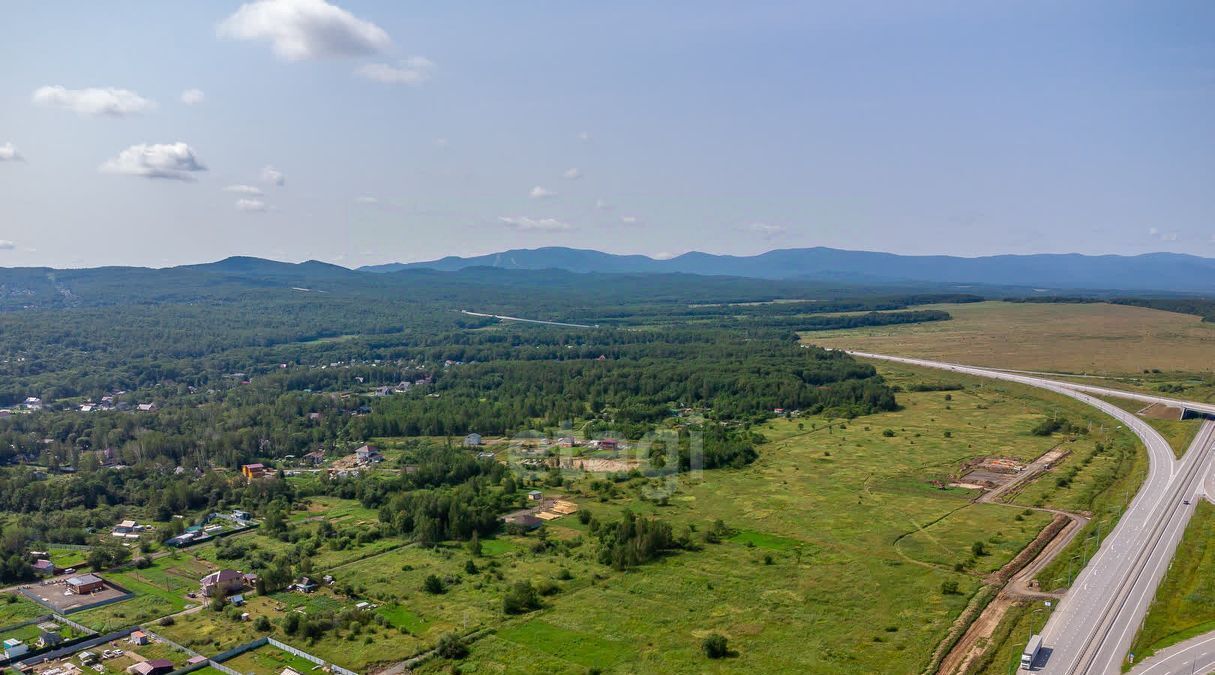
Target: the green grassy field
(268, 660)
(860, 541)
(15, 608)
(1185, 601)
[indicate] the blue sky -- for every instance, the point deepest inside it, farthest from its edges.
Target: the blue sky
(409, 131)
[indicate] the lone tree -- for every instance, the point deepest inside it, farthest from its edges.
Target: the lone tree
(715, 646)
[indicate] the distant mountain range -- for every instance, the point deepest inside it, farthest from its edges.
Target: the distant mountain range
(1172, 272)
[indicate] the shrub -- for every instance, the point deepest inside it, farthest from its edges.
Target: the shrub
(949, 587)
(450, 646)
(433, 585)
(715, 646)
(521, 598)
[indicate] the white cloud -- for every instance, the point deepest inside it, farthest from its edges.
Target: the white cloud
(305, 29)
(250, 205)
(108, 101)
(584, 136)
(273, 176)
(6, 245)
(441, 142)
(663, 255)
(244, 190)
(766, 230)
(602, 205)
(572, 174)
(539, 192)
(8, 153)
(412, 71)
(176, 161)
(366, 199)
(1155, 233)
(628, 220)
(525, 224)
(193, 96)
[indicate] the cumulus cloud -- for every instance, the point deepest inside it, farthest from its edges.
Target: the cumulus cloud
(244, 190)
(525, 224)
(584, 136)
(441, 142)
(6, 245)
(602, 205)
(273, 176)
(176, 161)
(8, 153)
(664, 255)
(539, 192)
(193, 96)
(412, 71)
(366, 199)
(93, 101)
(628, 220)
(572, 174)
(766, 230)
(305, 29)
(250, 205)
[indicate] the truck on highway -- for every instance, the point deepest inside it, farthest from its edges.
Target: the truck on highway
(1031, 652)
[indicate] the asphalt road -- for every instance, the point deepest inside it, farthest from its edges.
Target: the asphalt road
(1096, 621)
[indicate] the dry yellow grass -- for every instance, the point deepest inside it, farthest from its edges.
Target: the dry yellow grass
(1090, 338)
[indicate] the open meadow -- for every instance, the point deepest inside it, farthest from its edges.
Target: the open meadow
(842, 545)
(1094, 338)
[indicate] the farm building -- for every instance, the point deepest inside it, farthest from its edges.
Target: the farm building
(44, 567)
(151, 667)
(84, 584)
(14, 648)
(138, 638)
(472, 440)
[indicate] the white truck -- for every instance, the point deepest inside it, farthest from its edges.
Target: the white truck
(1031, 652)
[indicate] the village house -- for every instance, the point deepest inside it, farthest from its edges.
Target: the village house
(315, 458)
(534, 495)
(304, 585)
(48, 635)
(147, 407)
(255, 471)
(472, 440)
(222, 583)
(368, 454)
(44, 567)
(138, 638)
(128, 529)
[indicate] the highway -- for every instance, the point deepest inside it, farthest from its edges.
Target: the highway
(1096, 621)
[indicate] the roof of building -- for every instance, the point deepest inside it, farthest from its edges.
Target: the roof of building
(220, 576)
(84, 579)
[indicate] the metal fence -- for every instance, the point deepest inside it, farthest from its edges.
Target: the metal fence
(305, 655)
